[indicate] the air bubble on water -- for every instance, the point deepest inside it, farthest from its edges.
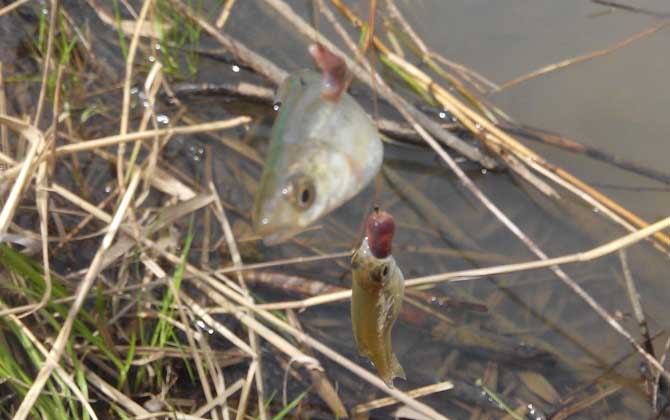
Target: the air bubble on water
(151, 58)
(478, 127)
(484, 171)
(201, 324)
(236, 68)
(108, 188)
(265, 221)
(134, 90)
(596, 210)
(157, 47)
(275, 107)
(443, 115)
(162, 119)
(45, 11)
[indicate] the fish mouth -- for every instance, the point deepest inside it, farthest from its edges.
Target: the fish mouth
(275, 234)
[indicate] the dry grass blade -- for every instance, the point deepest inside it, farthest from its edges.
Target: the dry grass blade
(59, 344)
(320, 381)
(220, 399)
(53, 13)
(125, 107)
(36, 140)
(225, 13)
(582, 58)
(149, 134)
(244, 396)
(12, 6)
(415, 393)
(237, 262)
(217, 326)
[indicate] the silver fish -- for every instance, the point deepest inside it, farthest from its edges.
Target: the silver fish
(321, 154)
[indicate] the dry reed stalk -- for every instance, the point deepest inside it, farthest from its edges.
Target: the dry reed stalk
(237, 262)
(42, 200)
(149, 134)
(635, 302)
(427, 54)
(196, 354)
(225, 14)
(26, 168)
(10, 7)
(284, 262)
(53, 13)
(61, 340)
(217, 326)
(205, 243)
(585, 57)
(319, 379)
(244, 396)
(415, 393)
(152, 84)
(4, 135)
(220, 399)
(125, 107)
(60, 372)
(114, 394)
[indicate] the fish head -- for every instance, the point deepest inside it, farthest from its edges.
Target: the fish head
(321, 154)
(291, 199)
(375, 273)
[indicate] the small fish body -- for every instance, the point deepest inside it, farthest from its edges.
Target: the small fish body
(322, 153)
(377, 293)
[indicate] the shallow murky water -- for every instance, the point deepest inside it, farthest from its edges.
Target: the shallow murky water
(538, 343)
(616, 103)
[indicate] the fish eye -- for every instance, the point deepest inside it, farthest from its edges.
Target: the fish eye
(302, 191)
(380, 274)
(306, 195)
(276, 105)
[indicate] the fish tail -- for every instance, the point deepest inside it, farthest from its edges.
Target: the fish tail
(396, 368)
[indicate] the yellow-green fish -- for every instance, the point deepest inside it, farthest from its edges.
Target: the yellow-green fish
(323, 150)
(376, 297)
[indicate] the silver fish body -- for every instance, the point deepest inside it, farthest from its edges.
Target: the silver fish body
(376, 299)
(321, 154)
